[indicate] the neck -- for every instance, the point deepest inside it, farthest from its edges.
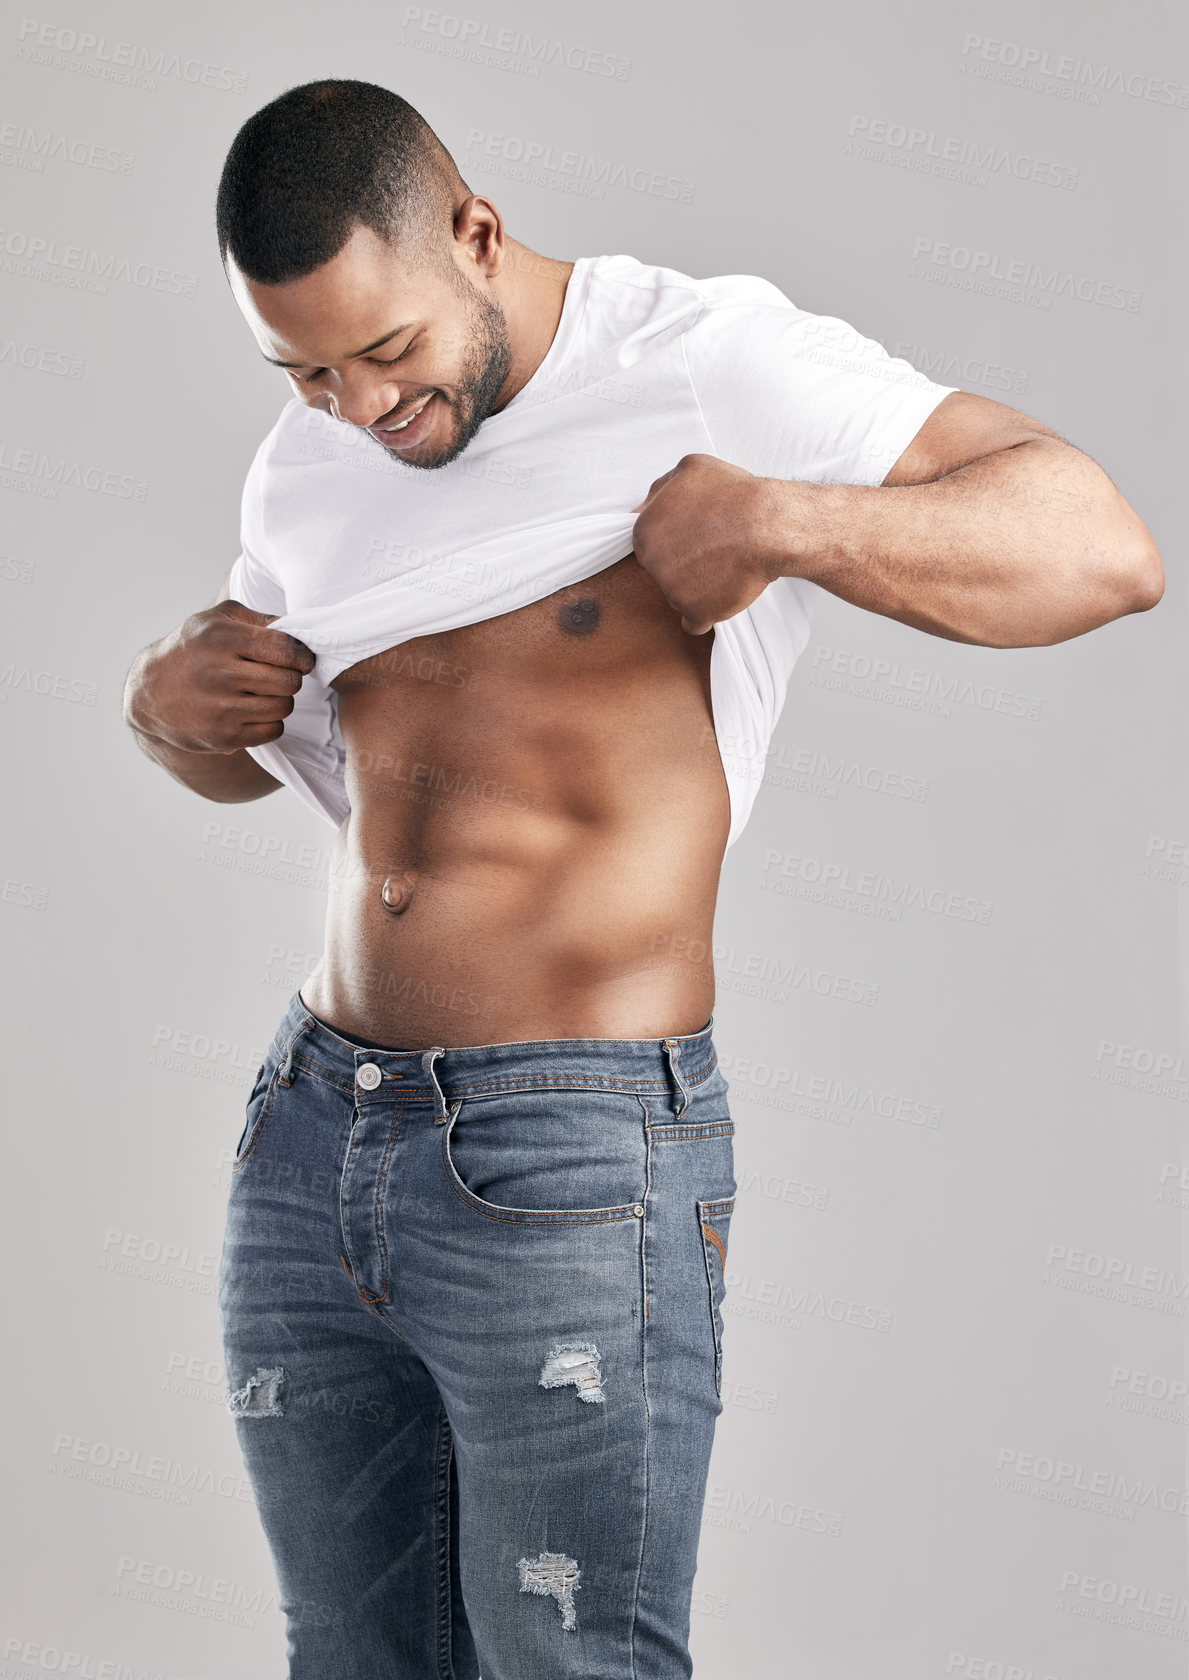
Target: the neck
(531, 291)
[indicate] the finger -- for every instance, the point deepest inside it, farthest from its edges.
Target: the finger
(255, 735)
(254, 677)
(240, 613)
(277, 647)
(653, 488)
(258, 708)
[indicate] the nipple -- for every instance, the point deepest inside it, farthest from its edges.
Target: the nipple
(397, 892)
(578, 618)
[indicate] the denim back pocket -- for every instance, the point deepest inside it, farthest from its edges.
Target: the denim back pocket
(714, 1222)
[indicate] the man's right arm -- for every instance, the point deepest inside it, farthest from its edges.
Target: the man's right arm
(218, 684)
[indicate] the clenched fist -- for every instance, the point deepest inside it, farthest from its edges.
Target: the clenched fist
(221, 681)
(708, 535)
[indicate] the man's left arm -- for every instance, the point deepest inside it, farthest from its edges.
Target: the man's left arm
(989, 529)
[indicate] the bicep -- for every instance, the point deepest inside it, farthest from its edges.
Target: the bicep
(961, 429)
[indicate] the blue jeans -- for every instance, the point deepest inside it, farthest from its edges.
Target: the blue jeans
(471, 1311)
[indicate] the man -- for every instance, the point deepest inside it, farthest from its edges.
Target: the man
(526, 563)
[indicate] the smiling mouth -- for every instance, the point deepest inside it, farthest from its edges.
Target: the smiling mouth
(408, 419)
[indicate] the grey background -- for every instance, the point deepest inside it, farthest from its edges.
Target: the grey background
(950, 1446)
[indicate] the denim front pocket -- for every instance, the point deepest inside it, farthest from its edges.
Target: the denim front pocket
(548, 1156)
(714, 1222)
(256, 1110)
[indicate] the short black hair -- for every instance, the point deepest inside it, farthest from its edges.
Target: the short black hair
(306, 169)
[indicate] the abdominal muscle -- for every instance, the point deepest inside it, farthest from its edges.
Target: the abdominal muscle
(538, 820)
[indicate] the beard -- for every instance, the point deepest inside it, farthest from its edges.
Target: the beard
(488, 358)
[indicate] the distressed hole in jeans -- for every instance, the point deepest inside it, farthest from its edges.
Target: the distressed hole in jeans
(260, 1397)
(553, 1574)
(577, 1363)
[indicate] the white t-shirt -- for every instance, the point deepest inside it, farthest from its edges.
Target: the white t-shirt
(358, 551)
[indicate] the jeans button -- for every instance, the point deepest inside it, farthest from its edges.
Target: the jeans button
(368, 1075)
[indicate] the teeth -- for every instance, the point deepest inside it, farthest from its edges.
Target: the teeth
(407, 422)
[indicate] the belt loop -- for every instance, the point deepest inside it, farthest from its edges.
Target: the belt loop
(439, 1101)
(286, 1074)
(673, 1051)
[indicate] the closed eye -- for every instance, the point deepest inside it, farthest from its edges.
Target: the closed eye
(377, 361)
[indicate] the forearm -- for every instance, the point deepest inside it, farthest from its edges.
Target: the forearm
(1021, 548)
(227, 777)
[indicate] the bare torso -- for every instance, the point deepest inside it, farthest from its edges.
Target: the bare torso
(539, 815)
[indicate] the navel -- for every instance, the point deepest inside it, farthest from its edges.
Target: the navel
(578, 618)
(397, 892)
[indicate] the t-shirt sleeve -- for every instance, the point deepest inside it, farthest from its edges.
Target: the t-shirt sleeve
(251, 580)
(787, 394)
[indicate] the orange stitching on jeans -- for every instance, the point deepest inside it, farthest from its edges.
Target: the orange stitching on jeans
(378, 1207)
(442, 1551)
(365, 1295)
(712, 1128)
(712, 1235)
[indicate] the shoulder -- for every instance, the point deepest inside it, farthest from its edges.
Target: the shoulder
(651, 290)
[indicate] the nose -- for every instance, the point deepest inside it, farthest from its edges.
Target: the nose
(359, 401)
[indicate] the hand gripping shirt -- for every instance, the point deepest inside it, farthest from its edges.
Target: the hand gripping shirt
(356, 551)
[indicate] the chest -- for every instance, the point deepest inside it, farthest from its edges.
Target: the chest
(612, 625)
